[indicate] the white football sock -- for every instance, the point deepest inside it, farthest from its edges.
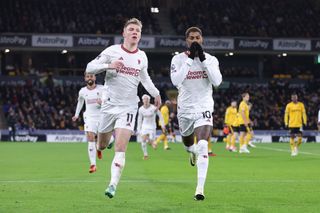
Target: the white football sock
(117, 167)
(92, 152)
(191, 148)
(144, 148)
(202, 164)
(111, 140)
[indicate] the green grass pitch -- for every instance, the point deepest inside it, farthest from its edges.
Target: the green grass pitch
(46, 177)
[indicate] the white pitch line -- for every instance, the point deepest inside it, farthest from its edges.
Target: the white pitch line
(288, 151)
(158, 181)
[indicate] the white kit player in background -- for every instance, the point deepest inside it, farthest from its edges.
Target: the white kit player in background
(193, 73)
(91, 96)
(125, 66)
(147, 125)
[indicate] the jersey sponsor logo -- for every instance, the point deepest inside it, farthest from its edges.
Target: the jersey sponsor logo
(129, 71)
(92, 101)
(196, 74)
(173, 68)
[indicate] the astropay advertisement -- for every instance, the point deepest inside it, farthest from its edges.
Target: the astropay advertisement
(51, 138)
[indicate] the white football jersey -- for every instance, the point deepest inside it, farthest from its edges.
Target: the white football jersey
(194, 80)
(90, 97)
(122, 84)
(147, 118)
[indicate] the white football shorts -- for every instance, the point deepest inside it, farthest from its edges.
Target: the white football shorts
(189, 121)
(150, 132)
(91, 124)
(113, 117)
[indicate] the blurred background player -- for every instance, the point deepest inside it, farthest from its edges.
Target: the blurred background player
(91, 96)
(165, 112)
(171, 134)
(250, 133)
(12, 120)
(244, 122)
(294, 118)
(147, 124)
(235, 133)
(229, 118)
(125, 66)
(193, 73)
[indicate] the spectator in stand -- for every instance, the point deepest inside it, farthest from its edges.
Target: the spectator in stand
(72, 16)
(37, 106)
(249, 17)
(43, 107)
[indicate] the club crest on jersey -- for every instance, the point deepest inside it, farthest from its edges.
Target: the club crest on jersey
(173, 68)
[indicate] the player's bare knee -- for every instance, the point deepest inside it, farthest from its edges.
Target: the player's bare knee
(188, 140)
(91, 136)
(203, 132)
(103, 140)
(102, 146)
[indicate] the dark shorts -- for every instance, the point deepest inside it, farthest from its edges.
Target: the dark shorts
(295, 130)
(169, 128)
(234, 129)
(243, 128)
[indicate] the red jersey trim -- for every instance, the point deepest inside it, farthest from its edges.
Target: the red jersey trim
(128, 51)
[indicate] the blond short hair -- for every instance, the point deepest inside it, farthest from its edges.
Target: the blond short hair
(145, 96)
(133, 21)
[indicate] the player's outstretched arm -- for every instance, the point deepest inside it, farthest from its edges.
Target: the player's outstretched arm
(286, 116)
(304, 115)
(163, 126)
(79, 107)
(146, 80)
(157, 101)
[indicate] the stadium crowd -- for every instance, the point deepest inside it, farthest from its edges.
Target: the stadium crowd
(46, 105)
(218, 18)
(287, 18)
(39, 105)
(72, 16)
